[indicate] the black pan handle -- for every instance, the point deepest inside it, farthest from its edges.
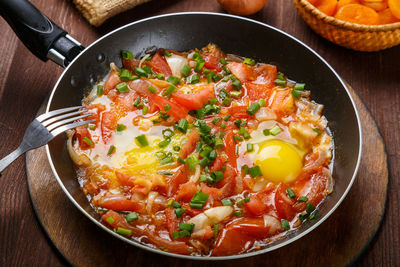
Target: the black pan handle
(38, 33)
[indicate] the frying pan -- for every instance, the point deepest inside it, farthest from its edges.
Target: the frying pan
(182, 32)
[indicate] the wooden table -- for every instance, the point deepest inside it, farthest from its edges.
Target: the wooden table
(25, 82)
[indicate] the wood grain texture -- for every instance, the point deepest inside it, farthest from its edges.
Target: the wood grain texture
(25, 81)
(337, 242)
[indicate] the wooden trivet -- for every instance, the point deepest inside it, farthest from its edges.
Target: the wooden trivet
(339, 241)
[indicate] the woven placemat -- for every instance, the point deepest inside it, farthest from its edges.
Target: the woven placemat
(98, 11)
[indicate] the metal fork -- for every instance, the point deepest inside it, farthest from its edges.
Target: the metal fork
(44, 128)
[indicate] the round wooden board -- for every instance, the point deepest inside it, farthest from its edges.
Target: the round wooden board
(337, 242)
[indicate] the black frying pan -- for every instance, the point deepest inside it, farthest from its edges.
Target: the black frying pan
(182, 32)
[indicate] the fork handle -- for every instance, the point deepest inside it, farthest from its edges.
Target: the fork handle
(7, 160)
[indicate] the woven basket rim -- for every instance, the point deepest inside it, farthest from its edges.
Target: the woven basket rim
(345, 24)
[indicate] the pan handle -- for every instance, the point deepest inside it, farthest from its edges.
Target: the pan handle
(39, 34)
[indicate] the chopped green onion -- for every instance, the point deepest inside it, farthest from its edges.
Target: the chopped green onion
(238, 122)
(245, 169)
(110, 220)
(237, 84)
(137, 102)
(244, 133)
(179, 212)
(223, 168)
(249, 61)
(147, 69)
(92, 127)
(235, 94)
(197, 56)
(145, 110)
(237, 138)
(176, 205)
(204, 161)
(165, 173)
(141, 72)
(213, 155)
(167, 107)
(186, 70)
(312, 216)
(217, 175)
(111, 150)
(174, 80)
(176, 148)
(222, 60)
(199, 66)
(285, 224)
(227, 101)
(299, 86)
(122, 87)
(168, 54)
(120, 127)
(100, 90)
(180, 234)
(181, 160)
(186, 226)
(254, 107)
(218, 143)
(195, 79)
(250, 148)
(238, 213)
(280, 82)
(125, 75)
(166, 160)
(142, 140)
(216, 228)
(226, 202)
(160, 76)
(171, 89)
(302, 199)
(255, 171)
(280, 76)
(152, 89)
(317, 131)
(131, 216)
(165, 142)
(266, 132)
(296, 94)
(167, 133)
(170, 201)
(310, 208)
(303, 216)
(191, 162)
(223, 125)
(216, 120)
(124, 231)
(198, 200)
(126, 54)
(217, 77)
(87, 141)
(183, 125)
(227, 117)
(262, 102)
(275, 130)
(225, 79)
(290, 193)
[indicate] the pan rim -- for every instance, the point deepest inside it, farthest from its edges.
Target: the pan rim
(209, 258)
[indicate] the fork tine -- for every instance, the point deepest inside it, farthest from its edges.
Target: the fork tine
(69, 126)
(64, 116)
(50, 114)
(61, 123)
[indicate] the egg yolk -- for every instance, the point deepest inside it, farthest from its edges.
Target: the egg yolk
(279, 161)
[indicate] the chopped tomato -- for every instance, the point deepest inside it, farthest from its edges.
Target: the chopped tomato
(228, 184)
(195, 100)
(81, 133)
(172, 220)
(186, 192)
(261, 203)
(179, 247)
(212, 62)
(179, 177)
(242, 72)
(214, 193)
(190, 144)
(124, 179)
(239, 112)
(284, 204)
(283, 102)
(230, 148)
(124, 102)
(111, 82)
(119, 202)
(232, 241)
(130, 64)
(178, 112)
(108, 125)
(160, 65)
(95, 110)
(256, 92)
(266, 74)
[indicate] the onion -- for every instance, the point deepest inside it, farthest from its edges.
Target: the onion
(114, 67)
(176, 64)
(242, 7)
(210, 217)
(330, 181)
(143, 59)
(233, 58)
(150, 199)
(272, 223)
(196, 176)
(78, 159)
(265, 113)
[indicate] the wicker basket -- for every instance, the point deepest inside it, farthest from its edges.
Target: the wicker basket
(351, 35)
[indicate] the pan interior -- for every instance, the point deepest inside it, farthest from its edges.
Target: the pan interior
(185, 31)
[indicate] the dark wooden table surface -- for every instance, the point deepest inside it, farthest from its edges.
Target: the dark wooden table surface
(25, 81)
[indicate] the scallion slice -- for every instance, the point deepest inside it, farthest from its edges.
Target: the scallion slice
(131, 216)
(254, 107)
(285, 224)
(142, 140)
(186, 70)
(122, 87)
(275, 130)
(226, 202)
(100, 90)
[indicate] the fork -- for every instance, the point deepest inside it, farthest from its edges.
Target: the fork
(44, 128)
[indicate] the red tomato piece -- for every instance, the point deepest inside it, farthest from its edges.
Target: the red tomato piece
(178, 247)
(258, 91)
(125, 179)
(111, 82)
(108, 126)
(186, 192)
(190, 144)
(261, 203)
(172, 220)
(239, 112)
(130, 64)
(230, 149)
(195, 100)
(160, 65)
(124, 102)
(119, 202)
(179, 177)
(266, 74)
(212, 62)
(81, 133)
(95, 110)
(242, 72)
(284, 204)
(231, 241)
(176, 111)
